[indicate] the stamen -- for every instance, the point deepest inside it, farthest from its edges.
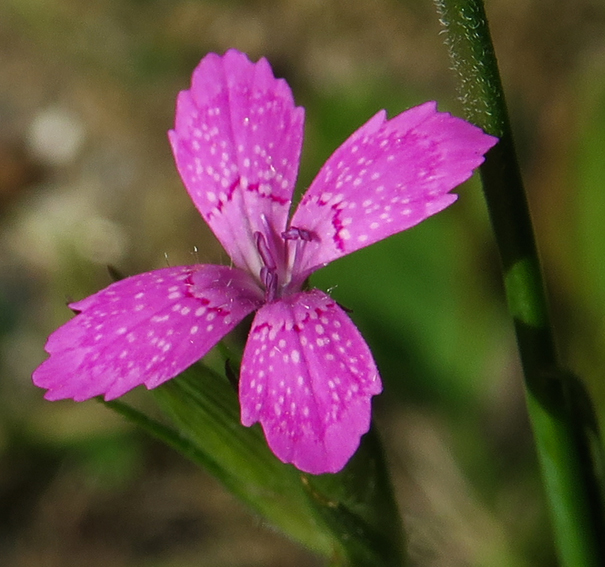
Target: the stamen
(264, 251)
(268, 273)
(295, 233)
(269, 279)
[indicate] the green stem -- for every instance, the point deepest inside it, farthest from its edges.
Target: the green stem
(554, 397)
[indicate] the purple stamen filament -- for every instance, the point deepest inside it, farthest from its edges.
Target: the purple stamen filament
(268, 273)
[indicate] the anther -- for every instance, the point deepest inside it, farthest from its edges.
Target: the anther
(264, 251)
(269, 280)
(295, 233)
(268, 273)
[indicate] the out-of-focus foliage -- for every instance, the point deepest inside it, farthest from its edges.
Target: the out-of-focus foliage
(87, 93)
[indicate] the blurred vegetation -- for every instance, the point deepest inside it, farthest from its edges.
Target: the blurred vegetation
(87, 92)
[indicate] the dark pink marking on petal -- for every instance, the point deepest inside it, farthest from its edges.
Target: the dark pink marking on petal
(387, 177)
(308, 377)
(237, 142)
(145, 329)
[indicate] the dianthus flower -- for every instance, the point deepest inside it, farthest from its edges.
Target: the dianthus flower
(307, 375)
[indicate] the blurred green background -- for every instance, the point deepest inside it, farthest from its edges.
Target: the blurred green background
(87, 92)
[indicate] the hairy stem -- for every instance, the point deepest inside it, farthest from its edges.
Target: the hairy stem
(558, 406)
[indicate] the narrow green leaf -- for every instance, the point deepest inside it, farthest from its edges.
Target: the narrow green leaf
(204, 408)
(350, 517)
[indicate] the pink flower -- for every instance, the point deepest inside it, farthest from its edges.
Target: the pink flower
(307, 374)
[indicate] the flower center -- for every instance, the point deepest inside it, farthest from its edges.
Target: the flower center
(275, 275)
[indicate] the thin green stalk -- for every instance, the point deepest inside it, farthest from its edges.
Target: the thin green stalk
(556, 401)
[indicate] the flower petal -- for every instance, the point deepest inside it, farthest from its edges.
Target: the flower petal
(144, 329)
(388, 176)
(308, 377)
(237, 142)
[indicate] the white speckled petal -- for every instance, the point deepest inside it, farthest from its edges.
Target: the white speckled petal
(237, 142)
(144, 329)
(308, 377)
(388, 176)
